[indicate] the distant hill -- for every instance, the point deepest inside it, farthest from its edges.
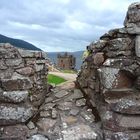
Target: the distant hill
(78, 55)
(18, 43)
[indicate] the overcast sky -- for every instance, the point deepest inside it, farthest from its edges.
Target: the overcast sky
(60, 25)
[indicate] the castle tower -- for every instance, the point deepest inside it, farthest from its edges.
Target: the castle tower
(66, 61)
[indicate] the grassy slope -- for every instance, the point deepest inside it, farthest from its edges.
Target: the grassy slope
(53, 79)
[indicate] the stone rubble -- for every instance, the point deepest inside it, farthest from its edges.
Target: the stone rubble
(66, 120)
(110, 79)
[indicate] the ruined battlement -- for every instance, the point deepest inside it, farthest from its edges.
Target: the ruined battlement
(111, 79)
(22, 89)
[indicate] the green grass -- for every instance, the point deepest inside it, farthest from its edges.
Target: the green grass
(53, 79)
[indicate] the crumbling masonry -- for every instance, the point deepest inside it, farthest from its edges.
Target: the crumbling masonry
(22, 89)
(111, 79)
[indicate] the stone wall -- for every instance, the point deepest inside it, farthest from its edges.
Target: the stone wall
(22, 89)
(110, 77)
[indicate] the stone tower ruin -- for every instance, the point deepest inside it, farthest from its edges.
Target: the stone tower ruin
(66, 61)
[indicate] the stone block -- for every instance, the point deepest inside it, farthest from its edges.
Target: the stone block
(13, 96)
(99, 58)
(118, 122)
(2, 65)
(6, 74)
(39, 67)
(7, 51)
(14, 62)
(12, 114)
(127, 135)
(137, 46)
(133, 29)
(108, 76)
(16, 84)
(27, 71)
(16, 132)
(133, 14)
(120, 44)
(118, 93)
(44, 124)
(113, 78)
(126, 106)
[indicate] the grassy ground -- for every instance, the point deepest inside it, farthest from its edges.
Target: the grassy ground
(53, 79)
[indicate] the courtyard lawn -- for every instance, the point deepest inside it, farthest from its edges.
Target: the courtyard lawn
(53, 79)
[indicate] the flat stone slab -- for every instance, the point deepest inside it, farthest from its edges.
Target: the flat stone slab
(81, 102)
(13, 96)
(38, 137)
(79, 132)
(16, 132)
(118, 122)
(61, 94)
(126, 106)
(44, 124)
(16, 84)
(12, 114)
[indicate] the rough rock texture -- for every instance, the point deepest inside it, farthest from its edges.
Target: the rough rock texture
(110, 79)
(22, 89)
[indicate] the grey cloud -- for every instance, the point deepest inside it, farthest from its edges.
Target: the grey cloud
(58, 24)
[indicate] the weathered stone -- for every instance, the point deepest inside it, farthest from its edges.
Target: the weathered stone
(108, 76)
(69, 119)
(16, 84)
(133, 14)
(81, 102)
(38, 137)
(130, 135)
(76, 95)
(17, 132)
(14, 96)
(48, 99)
(113, 78)
(12, 114)
(98, 58)
(61, 93)
(88, 116)
(2, 65)
(31, 125)
(47, 106)
(80, 131)
(45, 114)
(25, 71)
(14, 63)
(74, 111)
(119, 93)
(6, 74)
(7, 51)
(120, 44)
(126, 106)
(119, 122)
(65, 106)
(137, 46)
(54, 113)
(133, 29)
(45, 124)
(39, 67)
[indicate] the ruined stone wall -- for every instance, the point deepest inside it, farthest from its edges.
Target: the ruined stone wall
(110, 78)
(22, 89)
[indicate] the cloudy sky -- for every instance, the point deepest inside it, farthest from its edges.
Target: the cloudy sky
(60, 25)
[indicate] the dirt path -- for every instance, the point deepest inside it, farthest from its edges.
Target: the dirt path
(67, 76)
